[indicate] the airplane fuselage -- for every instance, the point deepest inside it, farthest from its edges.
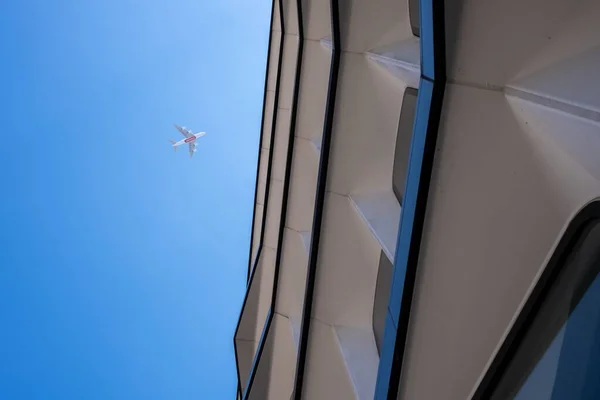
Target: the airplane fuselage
(189, 139)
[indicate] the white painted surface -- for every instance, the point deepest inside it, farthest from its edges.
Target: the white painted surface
(576, 137)
(303, 186)
(327, 43)
(288, 72)
(370, 24)
(325, 375)
(268, 119)
(364, 133)
(316, 143)
(245, 355)
(276, 370)
(295, 326)
(359, 352)
(509, 175)
(274, 58)
(313, 90)
(293, 269)
(317, 19)
(575, 34)
(273, 214)
(282, 136)
(306, 241)
(292, 275)
(264, 287)
(381, 214)
(255, 312)
(256, 231)
(262, 175)
(401, 59)
(291, 17)
(260, 194)
(495, 212)
(276, 25)
(489, 44)
(346, 268)
(283, 367)
(571, 82)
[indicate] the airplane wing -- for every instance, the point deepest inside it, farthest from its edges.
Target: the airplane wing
(192, 149)
(184, 131)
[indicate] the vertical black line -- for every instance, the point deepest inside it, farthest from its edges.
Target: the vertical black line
(273, 129)
(258, 355)
(272, 140)
(252, 268)
(286, 189)
(412, 260)
(319, 199)
(239, 322)
(267, 188)
(534, 302)
(260, 139)
(423, 145)
(262, 124)
(290, 154)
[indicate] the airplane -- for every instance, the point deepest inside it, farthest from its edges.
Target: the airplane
(190, 139)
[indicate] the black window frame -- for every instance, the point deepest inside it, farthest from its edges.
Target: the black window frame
(430, 98)
(403, 139)
(383, 284)
(569, 243)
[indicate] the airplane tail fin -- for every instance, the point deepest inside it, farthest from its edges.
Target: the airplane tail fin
(173, 143)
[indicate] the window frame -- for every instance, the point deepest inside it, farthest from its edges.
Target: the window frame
(560, 258)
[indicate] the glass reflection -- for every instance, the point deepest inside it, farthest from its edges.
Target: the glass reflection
(559, 357)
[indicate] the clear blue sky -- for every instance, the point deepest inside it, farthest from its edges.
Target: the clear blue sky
(123, 263)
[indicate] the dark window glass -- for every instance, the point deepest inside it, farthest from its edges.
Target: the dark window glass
(402, 151)
(382, 293)
(415, 19)
(558, 356)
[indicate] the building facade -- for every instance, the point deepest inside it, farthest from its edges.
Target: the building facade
(425, 217)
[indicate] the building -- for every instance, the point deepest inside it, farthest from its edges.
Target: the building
(426, 215)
